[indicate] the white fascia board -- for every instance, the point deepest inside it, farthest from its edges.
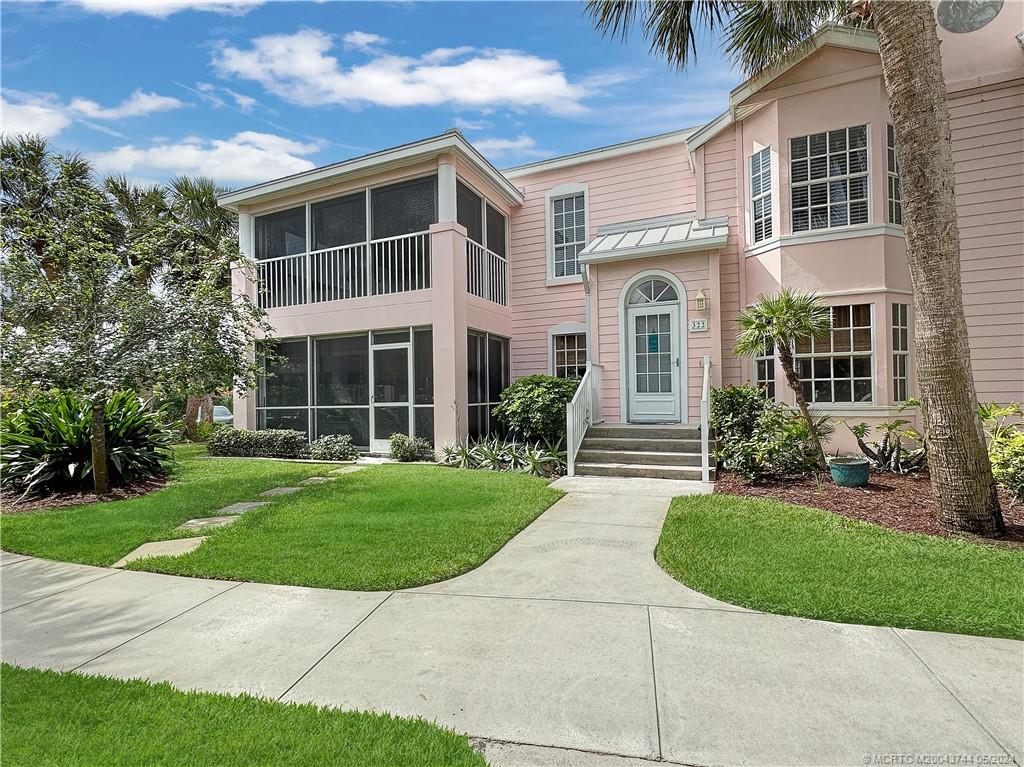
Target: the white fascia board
(600, 153)
(661, 249)
(373, 163)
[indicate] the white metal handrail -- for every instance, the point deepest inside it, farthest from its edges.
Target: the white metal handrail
(374, 267)
(583, 411)
(705, 422)
(486, 273)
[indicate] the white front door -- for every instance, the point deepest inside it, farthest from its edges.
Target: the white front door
(653, 377)
(390, 385)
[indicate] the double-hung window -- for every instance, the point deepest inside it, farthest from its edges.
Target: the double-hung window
(569, 230)
(764, 371)
(893, 177)
(829, 179)
(570, 355)
(837, 367)
(900, 352)
(761, 194)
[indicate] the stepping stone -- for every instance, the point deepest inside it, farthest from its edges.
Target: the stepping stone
(345, 470)
(173, 548)
(316, 480)
(206, 522)
(242, 507)
(280, 491)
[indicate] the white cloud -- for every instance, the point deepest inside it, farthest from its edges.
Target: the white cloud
(161, 9)
(243, 102)
(299, 68)
(32, 114)
(464, 124)
(521, 146)
(138, 104)
(246, 157)
(362, 40)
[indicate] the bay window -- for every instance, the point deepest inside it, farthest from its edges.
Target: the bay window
(837, 367)
(764, 371)
(900, 352)
(829, 179)
(893, 177)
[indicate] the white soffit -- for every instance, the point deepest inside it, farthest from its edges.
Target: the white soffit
(655, 237)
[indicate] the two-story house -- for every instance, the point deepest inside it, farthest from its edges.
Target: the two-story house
(408, 287)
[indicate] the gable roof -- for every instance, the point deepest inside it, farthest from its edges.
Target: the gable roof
(829, 35)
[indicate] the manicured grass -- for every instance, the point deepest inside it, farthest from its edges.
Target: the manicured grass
(383, 527)
(102, 533)
(792, 560)
(52, 718)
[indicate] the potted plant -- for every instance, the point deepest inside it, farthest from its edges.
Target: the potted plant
(850, 472)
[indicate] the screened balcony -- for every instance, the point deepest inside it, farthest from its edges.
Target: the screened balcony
(486, 238)
(373, 242)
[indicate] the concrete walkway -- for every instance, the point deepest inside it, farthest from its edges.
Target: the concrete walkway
(569, 647)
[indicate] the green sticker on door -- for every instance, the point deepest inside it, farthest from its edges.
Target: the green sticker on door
(652, 343)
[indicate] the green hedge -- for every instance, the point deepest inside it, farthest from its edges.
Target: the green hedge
(262, 443)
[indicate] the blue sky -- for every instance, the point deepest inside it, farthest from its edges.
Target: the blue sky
(245, 91)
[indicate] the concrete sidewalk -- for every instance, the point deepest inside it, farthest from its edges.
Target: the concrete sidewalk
(569, 647)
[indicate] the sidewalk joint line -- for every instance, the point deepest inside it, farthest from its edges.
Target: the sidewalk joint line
(154, 628)
(606, 524)
(594, 751)
(346, 635)
(654, 682)
(955, 697)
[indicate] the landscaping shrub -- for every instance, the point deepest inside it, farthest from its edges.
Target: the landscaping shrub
(45, 442)
(1007, 455)
(405, 448)
(759, 439)
(333, 447)
(534, 407)
(262, 443)
(506, 455)
(205, 430)
(888, 453)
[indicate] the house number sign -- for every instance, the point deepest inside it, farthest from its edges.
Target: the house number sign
(698, 326)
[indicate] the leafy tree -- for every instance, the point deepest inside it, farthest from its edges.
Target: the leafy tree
(759, 35)
(781, 322)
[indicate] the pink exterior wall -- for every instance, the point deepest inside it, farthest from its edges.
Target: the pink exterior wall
(651, 183)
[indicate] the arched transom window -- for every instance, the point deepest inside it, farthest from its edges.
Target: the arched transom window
(652, 291)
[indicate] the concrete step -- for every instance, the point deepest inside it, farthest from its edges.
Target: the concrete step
(640, 457)
(649, 471)
(646, 445)
(639, 431)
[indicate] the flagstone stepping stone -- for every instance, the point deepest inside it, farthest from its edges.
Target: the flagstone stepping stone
(280, 491)
(174, 548)
(316, 480)
(206, 522)
(345, 470)
(241, 508)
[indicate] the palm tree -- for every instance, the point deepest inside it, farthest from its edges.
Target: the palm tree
(760, 34)
(781, 322)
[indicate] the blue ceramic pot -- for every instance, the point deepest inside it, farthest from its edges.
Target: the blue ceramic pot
(850, 472)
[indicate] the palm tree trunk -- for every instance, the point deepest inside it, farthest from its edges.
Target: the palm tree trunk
(192, 403)
(98, 443)
(786, 360)
(962, 484)
(207, 408)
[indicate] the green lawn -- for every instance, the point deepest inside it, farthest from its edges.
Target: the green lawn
(52, 718)
(102, 533)
(384, 527)
(791, 560)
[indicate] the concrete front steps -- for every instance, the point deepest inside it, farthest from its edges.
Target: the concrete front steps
(638, 450)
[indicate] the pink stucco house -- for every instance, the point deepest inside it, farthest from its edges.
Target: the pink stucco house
(411, 285)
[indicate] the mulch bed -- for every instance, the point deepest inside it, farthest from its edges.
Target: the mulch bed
(12, 503)
(897, 502)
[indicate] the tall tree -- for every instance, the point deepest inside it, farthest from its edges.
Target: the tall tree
(761, 33)
(780, 322)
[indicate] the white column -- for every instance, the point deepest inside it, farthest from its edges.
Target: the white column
(446, 188)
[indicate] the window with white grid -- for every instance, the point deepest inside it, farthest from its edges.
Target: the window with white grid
(764, 371)
(829, 179)
(893, 177)
(569, 228)
(900, 352)
(761, 193)
(837, 367)
(570, 355)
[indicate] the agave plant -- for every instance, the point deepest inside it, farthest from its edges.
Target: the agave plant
(497, 454)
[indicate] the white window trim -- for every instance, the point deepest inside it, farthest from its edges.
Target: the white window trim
(564, 329)
(826, 235)
(847, 176)
(874, 363)
(563, 190)
(765, 194)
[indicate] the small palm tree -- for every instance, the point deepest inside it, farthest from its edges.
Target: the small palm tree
(781, 322)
